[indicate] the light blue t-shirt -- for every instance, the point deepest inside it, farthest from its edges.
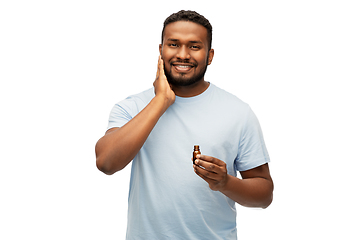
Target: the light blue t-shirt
(167, 200)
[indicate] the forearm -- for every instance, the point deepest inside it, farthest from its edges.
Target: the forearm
(116, 149)
(250, 192)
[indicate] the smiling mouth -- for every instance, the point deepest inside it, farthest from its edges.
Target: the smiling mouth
(183, 68)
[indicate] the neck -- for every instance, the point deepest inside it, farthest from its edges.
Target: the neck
(192, 90)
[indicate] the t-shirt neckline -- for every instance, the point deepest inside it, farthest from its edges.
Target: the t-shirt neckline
(195, 98)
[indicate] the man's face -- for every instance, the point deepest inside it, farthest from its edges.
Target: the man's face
(185, 51)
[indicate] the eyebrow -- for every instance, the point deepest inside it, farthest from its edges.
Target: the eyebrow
(177, 40)
(196, 41)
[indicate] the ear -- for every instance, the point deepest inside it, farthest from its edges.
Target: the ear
(160, 49)
(210, 56)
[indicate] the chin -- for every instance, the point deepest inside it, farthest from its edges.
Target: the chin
(183, 82)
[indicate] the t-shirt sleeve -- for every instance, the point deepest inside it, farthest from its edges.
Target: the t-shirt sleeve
(252, 151)
(122, 112)
(128, 108)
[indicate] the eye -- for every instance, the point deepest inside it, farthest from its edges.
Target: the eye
(195, 47)
(173, 45)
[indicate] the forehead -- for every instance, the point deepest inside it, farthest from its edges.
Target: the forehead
(185, 31)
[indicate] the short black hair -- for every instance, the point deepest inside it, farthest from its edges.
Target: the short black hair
(190, 16)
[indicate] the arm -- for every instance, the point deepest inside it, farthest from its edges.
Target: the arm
(119, 146)
(254, 190)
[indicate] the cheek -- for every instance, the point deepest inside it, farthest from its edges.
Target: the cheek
(167, 52)
(166, 58)
(201, 58)
(167, 67)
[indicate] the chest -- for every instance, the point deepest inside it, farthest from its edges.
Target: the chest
(216, 131)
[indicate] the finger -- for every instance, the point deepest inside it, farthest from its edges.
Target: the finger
(158, 68)
(209, 177)
(210, 167)
(161, 67)
(210, 159)
(196, 157)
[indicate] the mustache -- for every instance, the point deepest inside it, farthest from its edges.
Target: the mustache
(194, 64)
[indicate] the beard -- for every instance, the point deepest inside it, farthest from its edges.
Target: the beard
(182, 79)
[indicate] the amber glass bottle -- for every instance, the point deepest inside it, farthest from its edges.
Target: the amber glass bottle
(196, 152)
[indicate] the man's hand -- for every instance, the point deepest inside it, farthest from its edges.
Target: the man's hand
(118, 147)
(161, 85)
(254, 190)
(212, 170)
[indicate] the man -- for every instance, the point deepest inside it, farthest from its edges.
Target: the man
(157, 129)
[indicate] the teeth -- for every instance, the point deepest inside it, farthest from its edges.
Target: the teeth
(180, 66)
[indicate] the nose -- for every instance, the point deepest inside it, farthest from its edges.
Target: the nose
(183, 53)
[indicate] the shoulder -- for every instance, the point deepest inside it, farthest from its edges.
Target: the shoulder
(229, 100)
(125, 110)
(144, 96)
(133, 104)
(138, 101)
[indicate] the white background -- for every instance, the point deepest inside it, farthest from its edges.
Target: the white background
(64, 64)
